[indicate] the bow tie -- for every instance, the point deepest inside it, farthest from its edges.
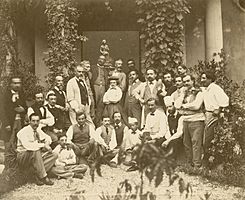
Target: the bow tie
(151, 83)
(134, 132)
(153, 114)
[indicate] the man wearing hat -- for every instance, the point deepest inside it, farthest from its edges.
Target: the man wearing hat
(112, 98)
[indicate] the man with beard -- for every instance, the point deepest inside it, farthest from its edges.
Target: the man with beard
(149, 89)
(132, 104)
(12, 117)
(121, 75)
(46, 120)
(33, 150)
(175, 122)
(79, 93)
(13, 111)
(168, 82)
(61, 99)
(99, 82)
(120, 128)
(215, 100)
(182, 70)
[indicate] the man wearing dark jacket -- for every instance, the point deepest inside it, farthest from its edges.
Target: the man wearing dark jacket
(13, 110)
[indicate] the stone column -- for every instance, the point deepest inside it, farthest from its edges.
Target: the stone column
(214, 32)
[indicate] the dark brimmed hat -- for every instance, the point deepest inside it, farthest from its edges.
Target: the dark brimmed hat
(113, 78)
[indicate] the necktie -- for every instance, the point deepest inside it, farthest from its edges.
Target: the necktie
(107, 130)
(36, 136)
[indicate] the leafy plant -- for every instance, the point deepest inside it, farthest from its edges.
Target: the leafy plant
(62, 36)
(162, 31)
(227, 147)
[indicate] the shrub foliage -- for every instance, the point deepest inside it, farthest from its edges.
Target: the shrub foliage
(162, 31)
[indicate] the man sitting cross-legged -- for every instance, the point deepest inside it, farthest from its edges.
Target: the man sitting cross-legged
(81, 138)
(105, 135)
(33, 150)
(65, 165)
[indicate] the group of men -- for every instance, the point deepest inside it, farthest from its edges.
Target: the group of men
(105, 110)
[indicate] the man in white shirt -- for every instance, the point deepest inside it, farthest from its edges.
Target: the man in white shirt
(46, 118)
(215, 100)
(33, 149)
(105, 135)
(78, 95)
(149, 89)
(193, 123)
(156, 123)
(66, 165)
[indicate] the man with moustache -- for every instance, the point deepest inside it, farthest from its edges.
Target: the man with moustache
(132, 104)
(99, 82)
(33, 150)
(78, 92)
(61, 99)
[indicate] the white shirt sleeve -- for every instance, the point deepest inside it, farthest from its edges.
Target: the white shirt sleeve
(113, 142)
(23, 137)
(69, 134)
(98, 138)
(44, 136)
(49, 121)
(221, 97)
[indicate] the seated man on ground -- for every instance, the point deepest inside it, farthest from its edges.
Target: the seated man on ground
(81, 138)
(33, 150)
(156, 124)
(59, 125)
(175, 122)
(65, 165)
(131, 139)
(105, 135)
(120, 128)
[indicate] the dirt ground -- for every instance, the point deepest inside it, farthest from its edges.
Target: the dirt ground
(75, 189)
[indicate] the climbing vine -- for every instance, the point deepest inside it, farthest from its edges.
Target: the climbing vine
(162, 31)
(62, 36)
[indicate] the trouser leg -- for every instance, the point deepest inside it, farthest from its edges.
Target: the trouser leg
(32, 159)
(49, 160)
(208, 135)
(78, 169)
(187, 141)
(196, 130)
(176, 145)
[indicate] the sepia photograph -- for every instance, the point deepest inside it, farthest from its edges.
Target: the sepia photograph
(122, 99)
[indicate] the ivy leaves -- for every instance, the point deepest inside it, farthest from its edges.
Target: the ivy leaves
(162, 31)
(62, 36)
